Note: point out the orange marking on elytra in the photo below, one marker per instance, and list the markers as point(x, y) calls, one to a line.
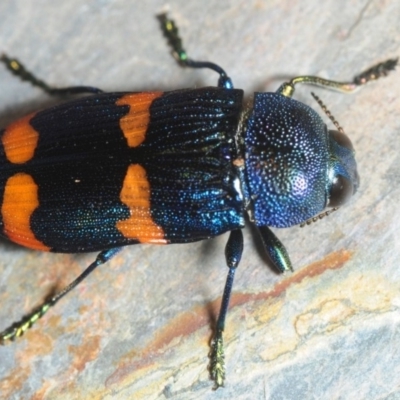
point(134, 124)
point(135, 194)
point(20, 140)
point(19, 202)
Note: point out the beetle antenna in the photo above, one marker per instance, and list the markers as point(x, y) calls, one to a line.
point(377, 71)
point(327, 112)
point(318, 217)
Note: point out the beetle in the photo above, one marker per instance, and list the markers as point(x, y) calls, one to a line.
point(113, 169)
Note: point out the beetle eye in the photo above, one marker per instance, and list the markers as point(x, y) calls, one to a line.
point(341, 139)
point(340, 191)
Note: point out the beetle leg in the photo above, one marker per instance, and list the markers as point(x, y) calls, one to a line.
point(233, 254)
point(170, 31)
point(19, 328)
point(19, 70)
point(275, 249)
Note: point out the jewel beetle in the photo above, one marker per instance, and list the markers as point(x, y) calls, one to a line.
point(113, 169)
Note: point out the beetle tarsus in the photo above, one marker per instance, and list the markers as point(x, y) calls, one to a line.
point(217, 363)
point(19, 328)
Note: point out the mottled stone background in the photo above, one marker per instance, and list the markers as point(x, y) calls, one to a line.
point(139, 327)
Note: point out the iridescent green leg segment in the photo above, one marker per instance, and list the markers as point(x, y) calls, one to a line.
point(19, 328)
point(275, 250)
point(233, 254)
point(376, 72)
point(16, 68)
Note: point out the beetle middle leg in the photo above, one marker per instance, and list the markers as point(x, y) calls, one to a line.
point(170, 31)
point(19, 70)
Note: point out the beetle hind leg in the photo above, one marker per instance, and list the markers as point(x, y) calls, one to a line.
point(16, 68)
point(19, 328)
